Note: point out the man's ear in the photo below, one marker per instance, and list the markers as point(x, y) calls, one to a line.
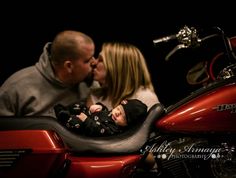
point(68, 66)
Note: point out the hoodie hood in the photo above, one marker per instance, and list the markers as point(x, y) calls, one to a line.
point(44, 66)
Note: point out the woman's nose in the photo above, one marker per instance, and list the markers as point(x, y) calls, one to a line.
point(93, 62)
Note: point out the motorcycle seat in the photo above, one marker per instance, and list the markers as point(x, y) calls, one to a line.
point(128, 142)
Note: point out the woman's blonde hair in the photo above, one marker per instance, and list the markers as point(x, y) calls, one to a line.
point(126, 71)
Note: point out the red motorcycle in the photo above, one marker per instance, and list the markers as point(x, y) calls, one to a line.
point(192, 138)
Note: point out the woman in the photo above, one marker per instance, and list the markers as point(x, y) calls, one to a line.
point(121, 72)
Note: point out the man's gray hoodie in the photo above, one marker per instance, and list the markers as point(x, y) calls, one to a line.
point(35, 91)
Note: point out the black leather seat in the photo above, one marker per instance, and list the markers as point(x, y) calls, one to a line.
point(128, 142)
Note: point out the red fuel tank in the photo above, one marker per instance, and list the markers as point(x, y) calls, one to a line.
point(211, 111)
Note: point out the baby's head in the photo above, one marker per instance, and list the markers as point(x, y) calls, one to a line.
point(131, 111)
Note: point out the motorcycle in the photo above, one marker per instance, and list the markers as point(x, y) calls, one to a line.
point(203, 122)
point(193, 138)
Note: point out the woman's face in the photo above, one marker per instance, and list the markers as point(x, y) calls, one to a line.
point(99, 71)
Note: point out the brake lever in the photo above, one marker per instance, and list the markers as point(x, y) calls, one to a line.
point(187, 38)
point(176, 48)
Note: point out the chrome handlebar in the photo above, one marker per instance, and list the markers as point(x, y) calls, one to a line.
point(187, 37)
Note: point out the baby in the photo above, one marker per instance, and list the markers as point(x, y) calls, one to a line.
point(98, 120)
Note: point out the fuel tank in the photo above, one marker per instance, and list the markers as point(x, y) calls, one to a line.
point(211, 109)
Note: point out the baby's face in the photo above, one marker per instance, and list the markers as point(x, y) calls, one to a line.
point(118, 115)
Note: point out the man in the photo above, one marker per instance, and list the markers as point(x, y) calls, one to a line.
point(56, 78)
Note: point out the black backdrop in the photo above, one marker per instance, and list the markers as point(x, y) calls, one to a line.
point(25, 28)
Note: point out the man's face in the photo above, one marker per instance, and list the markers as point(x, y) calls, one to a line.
point(82, 67)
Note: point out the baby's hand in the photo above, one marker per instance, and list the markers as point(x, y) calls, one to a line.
point(95, 108)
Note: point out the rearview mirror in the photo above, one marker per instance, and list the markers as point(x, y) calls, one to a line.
point(198, 74)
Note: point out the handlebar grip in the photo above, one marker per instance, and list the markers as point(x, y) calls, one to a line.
point(164, 39)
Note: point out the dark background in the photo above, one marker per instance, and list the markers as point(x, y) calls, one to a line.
point(26, 27)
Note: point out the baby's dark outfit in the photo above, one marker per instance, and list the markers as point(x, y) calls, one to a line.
point(100, 123)
point(97, 124)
